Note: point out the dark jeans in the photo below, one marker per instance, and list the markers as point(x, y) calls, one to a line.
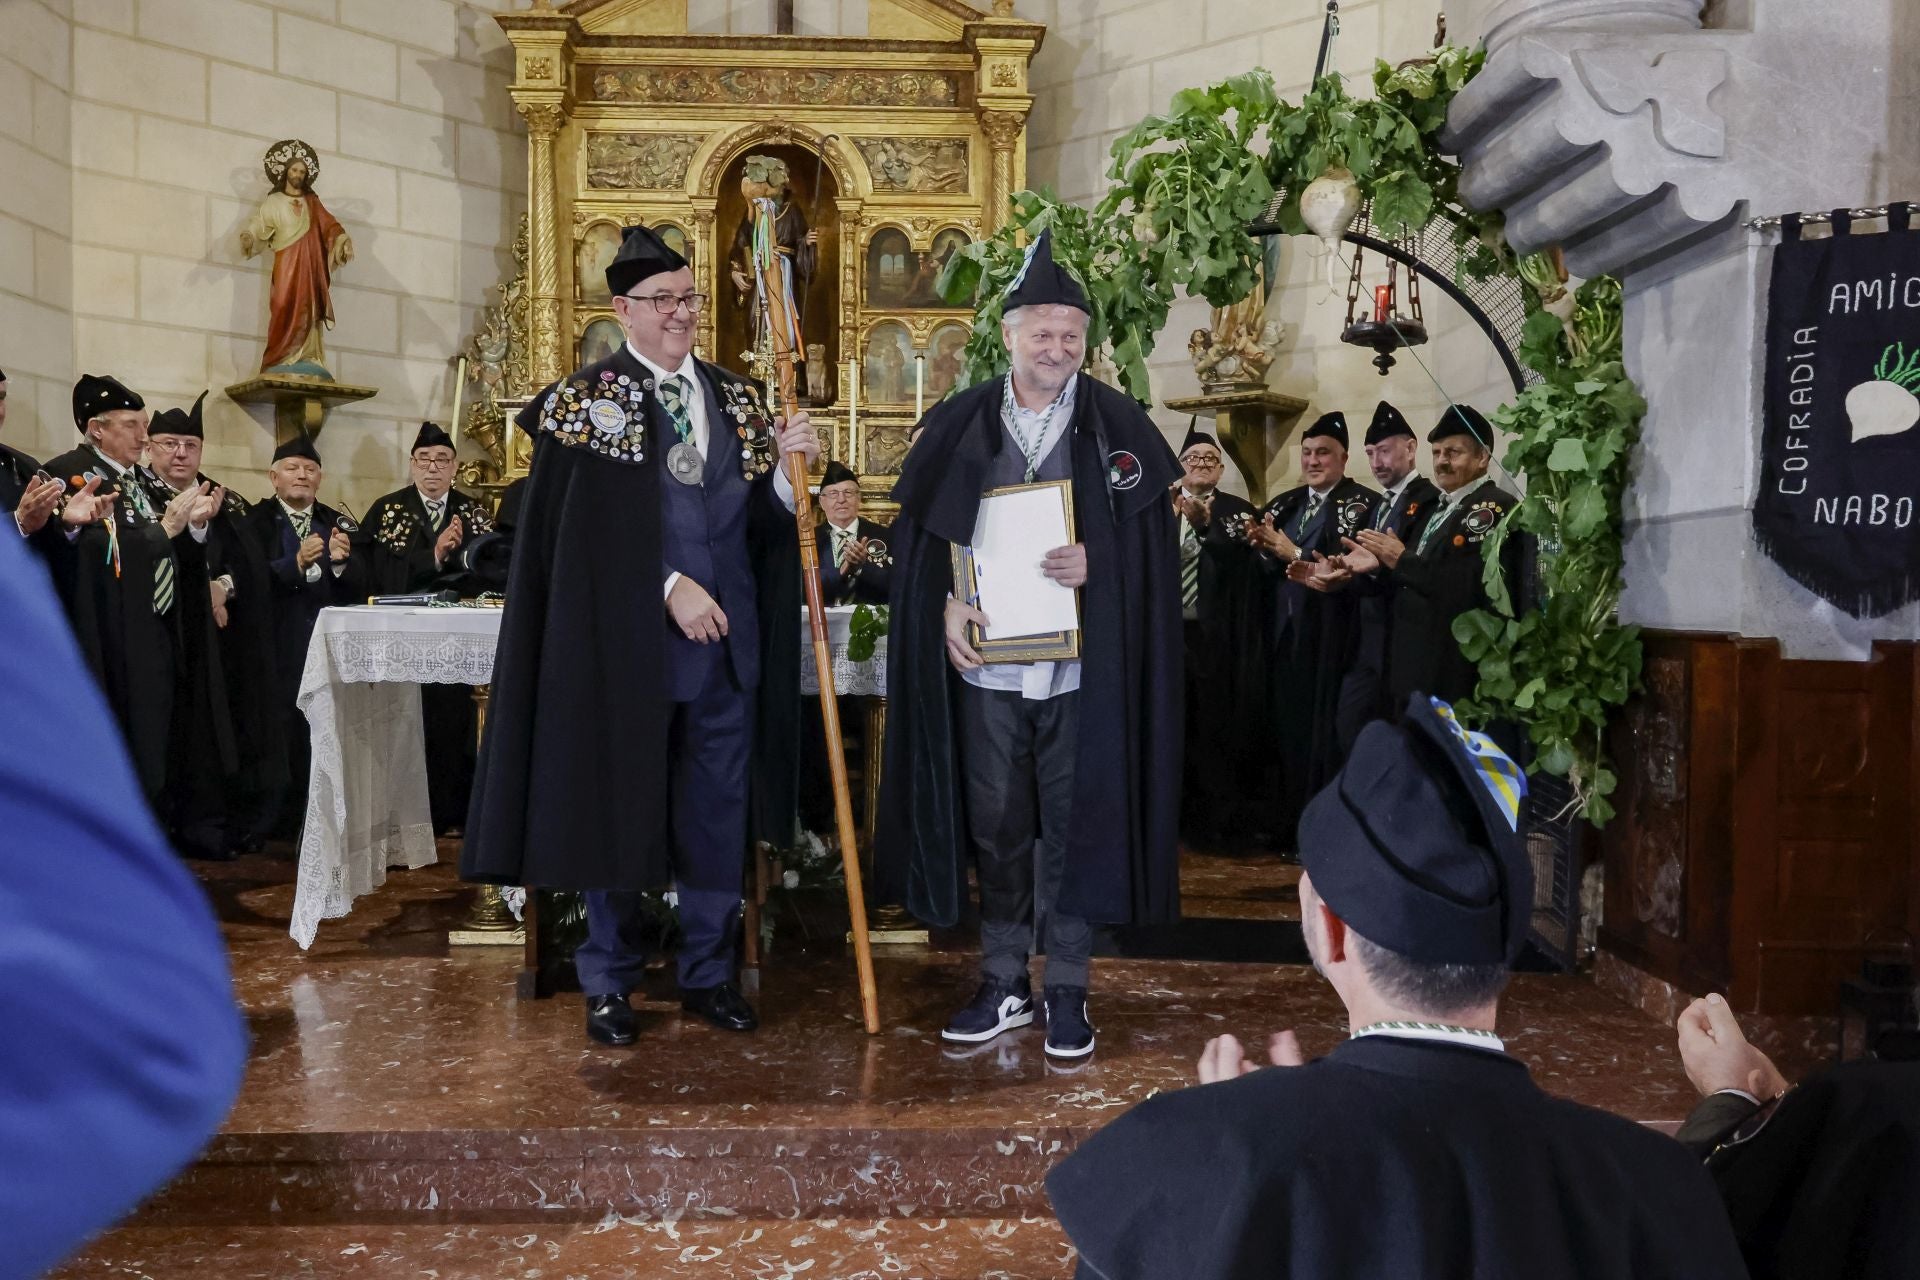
point(708, 744)
point(1017, 761)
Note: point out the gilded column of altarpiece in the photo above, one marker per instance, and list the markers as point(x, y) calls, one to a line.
point(899, 147)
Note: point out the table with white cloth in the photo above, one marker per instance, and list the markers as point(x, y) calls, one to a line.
point(367, 805)
point(367, 792)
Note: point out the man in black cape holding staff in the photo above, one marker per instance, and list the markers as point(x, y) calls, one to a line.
point(1061, 779)
point(648, 645)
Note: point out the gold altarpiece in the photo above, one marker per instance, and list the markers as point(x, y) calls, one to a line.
point(900, 146)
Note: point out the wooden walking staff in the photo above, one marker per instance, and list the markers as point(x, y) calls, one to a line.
point(780, 330)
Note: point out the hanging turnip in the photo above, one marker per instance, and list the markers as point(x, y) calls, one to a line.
point(1887, 406)
point(1328, 206)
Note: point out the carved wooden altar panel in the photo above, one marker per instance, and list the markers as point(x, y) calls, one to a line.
point(900, 146)
point(1765, 819)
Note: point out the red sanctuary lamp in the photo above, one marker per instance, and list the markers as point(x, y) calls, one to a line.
point(1385, 331)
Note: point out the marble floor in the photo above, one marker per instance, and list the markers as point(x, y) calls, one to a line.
point(404, 1114)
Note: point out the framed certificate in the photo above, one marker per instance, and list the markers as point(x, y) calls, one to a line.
point(1031, 618)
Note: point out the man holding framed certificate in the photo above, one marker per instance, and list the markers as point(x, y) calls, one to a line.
point(1034, 668)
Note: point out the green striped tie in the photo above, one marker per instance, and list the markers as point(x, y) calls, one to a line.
point(673, 393)
point(1189, 566)
point(163, 584)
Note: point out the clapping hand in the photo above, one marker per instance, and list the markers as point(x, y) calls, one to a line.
point(311, 548)
point(1718, 1056)
point(853, 556)
point(1263, 534)
point(87, 504)
point(207, 506)
point(41, 496)
point(339, 546)
point(1196, 511)
point(1224, 1059)
point(449, 538)
point(1386, 548)
point(1319, 573)
point(179, 512)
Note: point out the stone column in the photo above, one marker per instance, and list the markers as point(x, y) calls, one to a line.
point(1640, 142)
point(1003, 135)
point(543, 122)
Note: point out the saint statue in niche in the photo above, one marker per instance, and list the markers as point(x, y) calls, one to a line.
point(308, 245)
point(773, 237)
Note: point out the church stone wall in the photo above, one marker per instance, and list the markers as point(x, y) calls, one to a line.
point(1107, 63)
point(157, 163)
point(36, 225)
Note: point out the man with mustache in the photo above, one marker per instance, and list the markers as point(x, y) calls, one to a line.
point(1060, 778)
point(1310, 634)
point(1405, 497)
point(1437, 576)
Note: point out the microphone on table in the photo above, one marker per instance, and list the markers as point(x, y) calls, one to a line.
point(444, 596)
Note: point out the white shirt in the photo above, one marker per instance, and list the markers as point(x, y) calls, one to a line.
point(1035, 681)
point(696, 403)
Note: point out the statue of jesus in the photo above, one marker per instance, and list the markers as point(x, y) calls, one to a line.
point(308, 245)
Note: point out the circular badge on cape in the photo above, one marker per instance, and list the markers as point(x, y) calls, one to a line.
point(1479, 521)
point(1123, 470)
point(608, 418)
point(1352, 514)
point(684, 463)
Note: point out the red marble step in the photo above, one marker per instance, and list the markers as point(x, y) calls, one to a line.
point(580, 1174)
point(611, 1248)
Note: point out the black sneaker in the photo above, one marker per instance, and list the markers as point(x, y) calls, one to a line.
point(1069, 1033)
point(999, 1005)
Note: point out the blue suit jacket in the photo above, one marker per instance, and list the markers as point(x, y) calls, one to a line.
point(120, 1046)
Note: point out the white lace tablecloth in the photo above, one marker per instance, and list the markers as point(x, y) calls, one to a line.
point(863, 679)
point(367, 805)
point(367, 792)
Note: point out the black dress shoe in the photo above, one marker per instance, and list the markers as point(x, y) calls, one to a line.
point(723, 1006)
point(610, 1020)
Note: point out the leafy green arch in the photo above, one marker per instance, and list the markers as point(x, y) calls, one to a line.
point(1185, 187)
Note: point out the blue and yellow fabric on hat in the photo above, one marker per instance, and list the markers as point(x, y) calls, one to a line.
point(1416, 842)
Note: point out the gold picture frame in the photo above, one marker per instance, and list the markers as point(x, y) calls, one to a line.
point(1056, 646)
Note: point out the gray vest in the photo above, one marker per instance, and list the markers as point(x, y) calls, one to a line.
point(703, 535)
point(1010, 465)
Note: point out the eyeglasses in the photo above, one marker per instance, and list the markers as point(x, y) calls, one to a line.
point(431, 461)
point(1204, 460)
point(668, 303)
point(165, 445)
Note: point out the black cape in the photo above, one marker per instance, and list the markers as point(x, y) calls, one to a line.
point(399, 540)
point(133, 651)
point(1387, 1158)
point(570, 791)
point(1122, 859)
point(1311, 640)
point(1432, 588)
point(1226, 681)
point(1827, 1188)
point(1363, 693)
point(245, 648)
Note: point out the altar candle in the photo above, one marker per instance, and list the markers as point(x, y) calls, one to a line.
point(919, 387)
point(1382, 302)
point(853, 398)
